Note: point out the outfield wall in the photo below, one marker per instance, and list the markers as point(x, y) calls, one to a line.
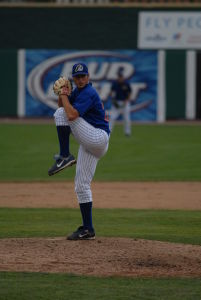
point(176, 95)
point(106, 28)
point(8, 82)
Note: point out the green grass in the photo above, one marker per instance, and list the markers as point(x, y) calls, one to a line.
point(163, 225)
point(156, 153)
point(32, 286)
point(152, 153)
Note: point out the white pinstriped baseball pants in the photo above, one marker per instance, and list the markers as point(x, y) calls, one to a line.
point(93, 145)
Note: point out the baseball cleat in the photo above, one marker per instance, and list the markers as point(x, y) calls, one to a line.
point(82, 234)
point(61, 163)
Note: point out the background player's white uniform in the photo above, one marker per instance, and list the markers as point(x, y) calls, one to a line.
point(120, 93)
point(124, 110)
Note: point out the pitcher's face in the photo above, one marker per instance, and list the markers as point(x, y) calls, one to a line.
point(81, 81)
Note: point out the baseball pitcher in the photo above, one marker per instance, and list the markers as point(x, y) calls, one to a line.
point(81, 113)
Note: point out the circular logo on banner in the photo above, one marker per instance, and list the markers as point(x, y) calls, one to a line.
point(103, 67)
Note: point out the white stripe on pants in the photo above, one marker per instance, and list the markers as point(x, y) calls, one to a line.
point(93, 145)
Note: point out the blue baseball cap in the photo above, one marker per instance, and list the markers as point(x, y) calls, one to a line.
point(79, 69)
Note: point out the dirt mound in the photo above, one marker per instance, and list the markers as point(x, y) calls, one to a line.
point(102, 257)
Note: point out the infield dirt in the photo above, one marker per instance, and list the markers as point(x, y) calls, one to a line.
point(139, 195)
point(108, 256)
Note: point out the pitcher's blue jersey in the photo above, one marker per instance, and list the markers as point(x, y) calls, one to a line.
point(88, 103)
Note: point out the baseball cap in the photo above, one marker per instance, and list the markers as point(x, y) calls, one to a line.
point(79, 69)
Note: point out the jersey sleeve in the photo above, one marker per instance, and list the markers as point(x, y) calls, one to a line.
point(72, 97)
point(83, 103)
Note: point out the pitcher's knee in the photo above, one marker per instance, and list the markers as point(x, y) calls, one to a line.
point(83, 192)
point(80, 187)
point(60, 117)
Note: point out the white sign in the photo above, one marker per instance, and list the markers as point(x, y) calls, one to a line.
point(169, 30)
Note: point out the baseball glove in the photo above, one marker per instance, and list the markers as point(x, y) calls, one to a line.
point(62, 86)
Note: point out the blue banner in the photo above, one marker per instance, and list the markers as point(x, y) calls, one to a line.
point(140, 68)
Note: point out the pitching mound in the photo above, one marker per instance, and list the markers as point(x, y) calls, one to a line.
point(102, 257)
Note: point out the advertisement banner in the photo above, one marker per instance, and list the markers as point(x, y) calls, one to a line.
point(43, 67)
point(169, 30)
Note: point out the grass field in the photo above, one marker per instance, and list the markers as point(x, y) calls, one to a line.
point(30, 286)
point(153, 153)
point(172, 226)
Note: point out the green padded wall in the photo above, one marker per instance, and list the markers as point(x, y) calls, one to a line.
point(8, 82)
point(175, 84)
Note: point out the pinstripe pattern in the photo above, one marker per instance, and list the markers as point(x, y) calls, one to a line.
point(93, 145)
point(85, 170)
point(60, 117)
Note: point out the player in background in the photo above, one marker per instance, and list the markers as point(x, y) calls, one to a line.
point(81, 113)
point(120, 94)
